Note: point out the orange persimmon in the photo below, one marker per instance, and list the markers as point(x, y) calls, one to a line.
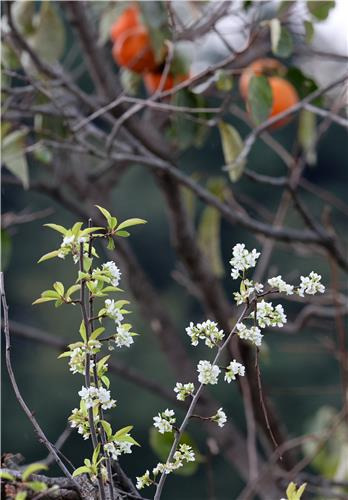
point(152, 81)
point(129, 19)
point(133, 51)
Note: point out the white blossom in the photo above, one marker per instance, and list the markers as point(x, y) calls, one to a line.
point(310, 285)
point(242, 259)
point(164, 421)
point(112, 311)
point(220, 417)
point(143, 480)
point(207, 373)
point(93, 396)
point(253, 334)
point(117, 448)
point(185, 453)
point(184, 390)
point(207, 331)
point(283, 287)
point(267, 315)
point(123, 337)
point(114, 272)
point(233, 369)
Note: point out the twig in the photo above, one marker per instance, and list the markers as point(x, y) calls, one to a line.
point(41, 435)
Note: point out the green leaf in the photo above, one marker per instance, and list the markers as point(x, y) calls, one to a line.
point(57, 227)
point(131, 222)
point(6, 475)
point(309, 31)
point(87, 262)
point(105, 381)
point(123, 431)
point(162, 443)
point(307, 133)
point(260, 98)
point(303, 84)
point(48, 39)
point(82, 331)
point(95, 334)
point(50, 293)
point(81, 470)
point(31, 469)
point(123, 234)
point(232, 145)
point(41, 300)
point(281, 39)
point(59, 288)
point(49, 255)
point(23, 13)
point(107, 428)
point(13, 155)
point(320, 9)
point(111, 244)
point(21, 495)
point(292, 492)
point(209, 239)
point(71, 290)
point(113, 222)
point(76, 228)
point(36, 485)
point(95, 455)
point(105, 212)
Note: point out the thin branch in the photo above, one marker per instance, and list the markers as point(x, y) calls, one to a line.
point(41, 435)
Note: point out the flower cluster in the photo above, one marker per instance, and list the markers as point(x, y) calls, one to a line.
point(71, 244)
point(94, 396)
point(184, 390)
point(253, 334)
point(116, 448)
point(220, 417)
point(242, 260)
point(281, 285)
point(164, 421)
point(247, 288)
point(207, 331)
point(208, 373)
point(109, 273)
point(79, 420)
point(113, 311)
point(123, 336)
point(233, 369)
point(311, 285)
point(184, 454)
point(267, 315)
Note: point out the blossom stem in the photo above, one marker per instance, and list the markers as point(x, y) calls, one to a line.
point(87, 370)
point(96, 380)
point(194, 402)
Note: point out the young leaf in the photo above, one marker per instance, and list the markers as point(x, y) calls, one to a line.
point(131, 222)
point(57, 227)
point(7, 476)
point(123, 234)
point(81, 470)
point(107, 428)
point(50, 293)
point(76, 228)
point(105, 212)
point(71, 290)
point(21, 495)
point(49, 255)
point(111, 244)
point(95, 334)
point(36, 485)
point(96, 454)
point(123, 431)
point(82, 331)
point(232, 145)
point(31, 469)
point(260, 98)
point(59, 288)
point(41, 300)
